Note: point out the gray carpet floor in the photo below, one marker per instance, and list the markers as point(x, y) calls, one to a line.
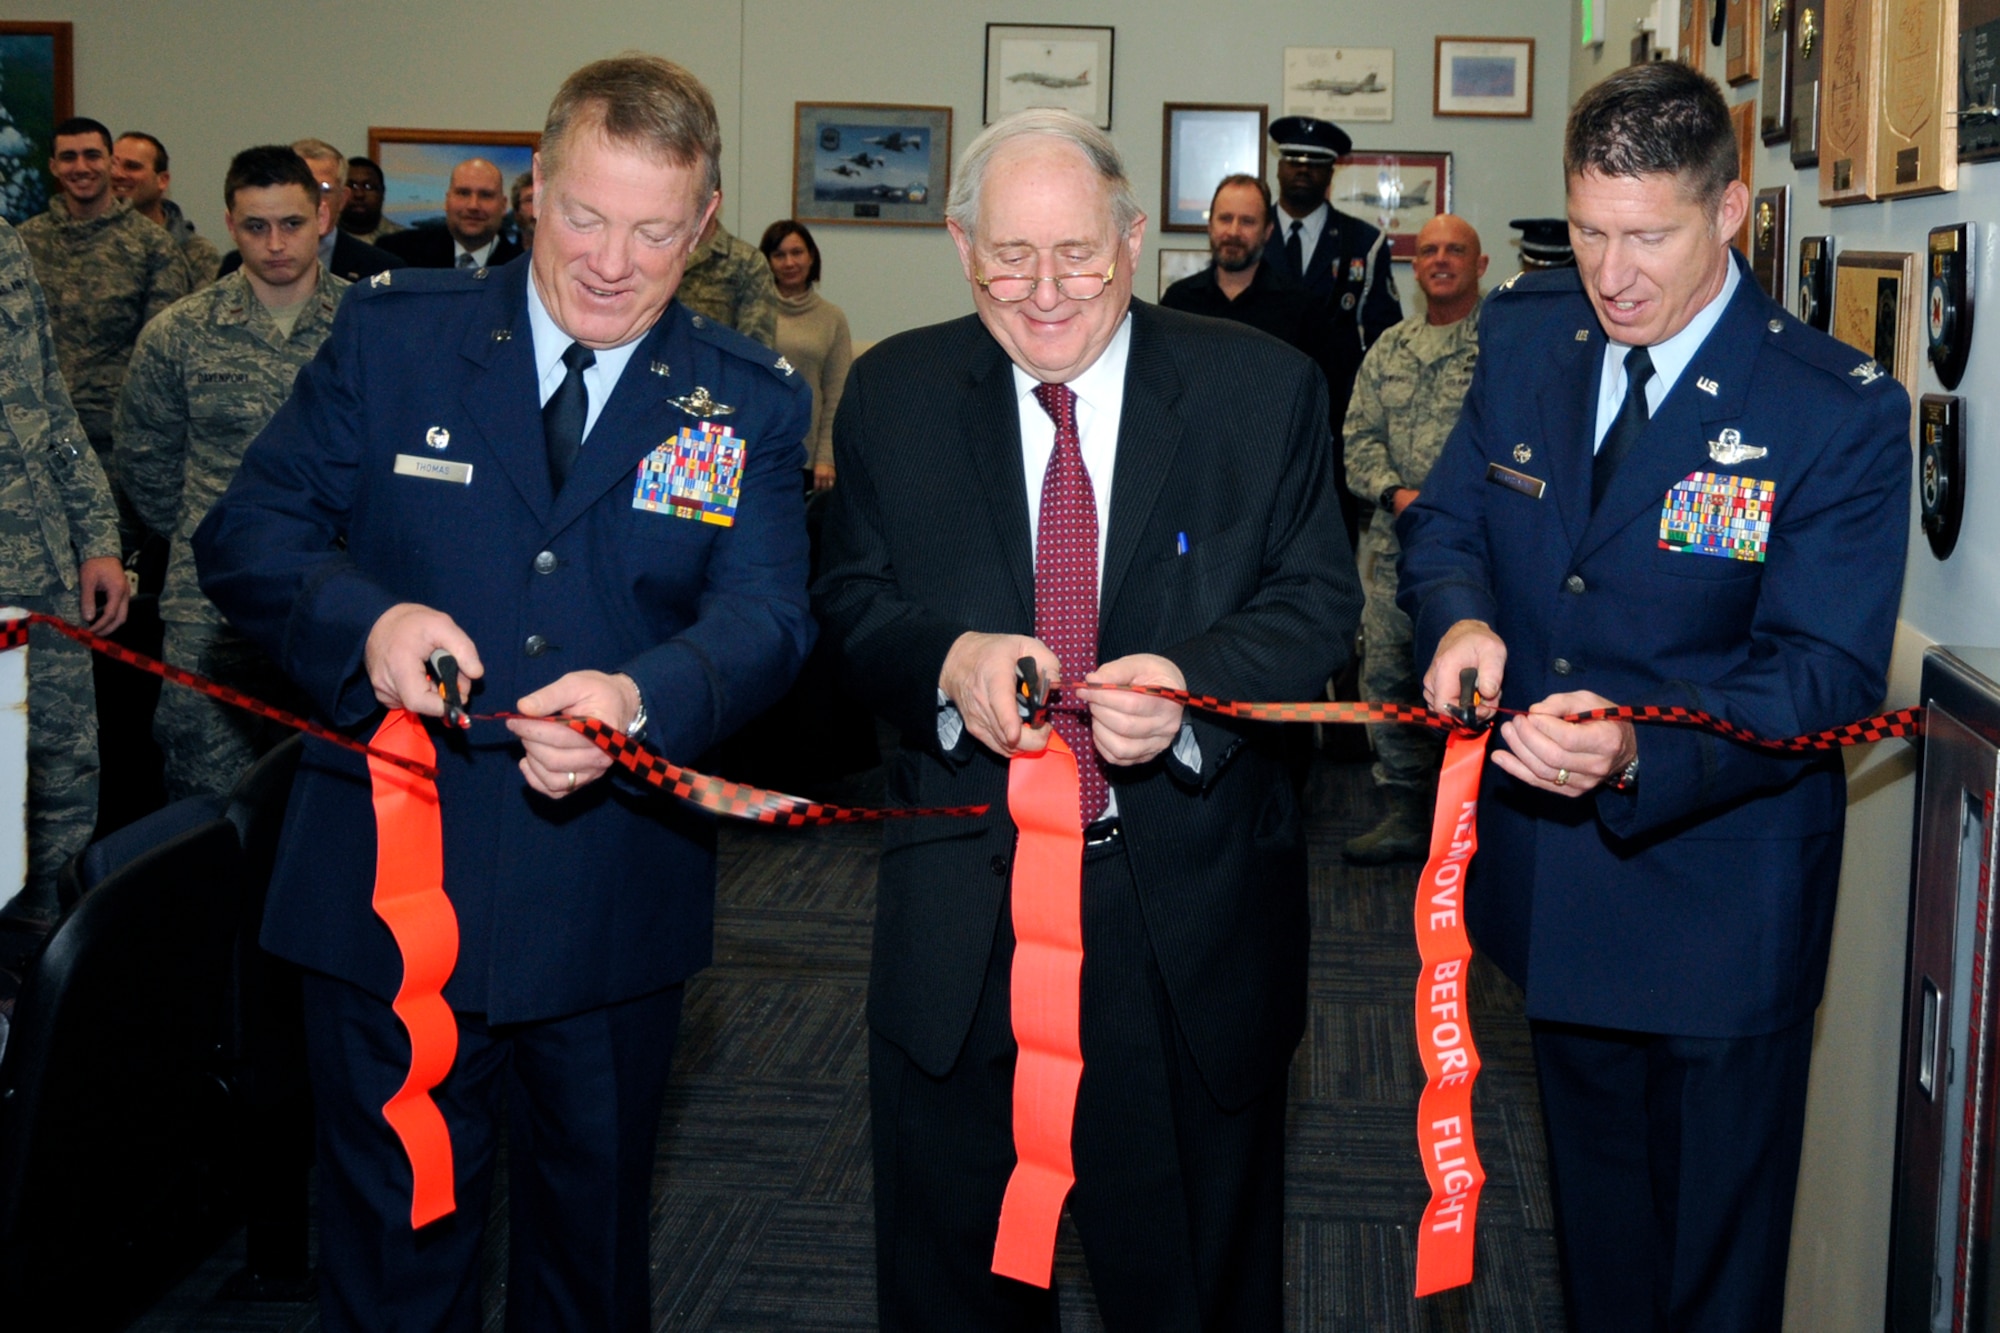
point(762, 1217)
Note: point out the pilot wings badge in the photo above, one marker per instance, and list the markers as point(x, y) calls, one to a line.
point(701, 404)
point(1730, 450)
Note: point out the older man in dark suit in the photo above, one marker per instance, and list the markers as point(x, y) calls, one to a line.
point(1663, 490)
point(1125, 495)
point(466, 466)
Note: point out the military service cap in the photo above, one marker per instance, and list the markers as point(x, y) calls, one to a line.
point(1544, 242)
point(1311, 138)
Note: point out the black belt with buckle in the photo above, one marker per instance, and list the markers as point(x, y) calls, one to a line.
point(1104, 832)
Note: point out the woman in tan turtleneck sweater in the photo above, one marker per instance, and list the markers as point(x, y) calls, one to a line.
point(812, 335)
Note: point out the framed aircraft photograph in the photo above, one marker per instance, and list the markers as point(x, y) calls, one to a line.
point(1485, 76)
point(870, 163)
point(1202, 142)
point(1048, 64)
point(1398, 192)
point(1340, 83)
point(35, 96)
point(417, 165)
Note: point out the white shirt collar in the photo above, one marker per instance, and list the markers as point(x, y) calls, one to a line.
point(551, 342)
point(479, 256)
point(1670, 357)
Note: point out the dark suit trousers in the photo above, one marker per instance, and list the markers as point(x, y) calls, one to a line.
point(1673, 1162)
point(582, 1098)
point(1178, 1202)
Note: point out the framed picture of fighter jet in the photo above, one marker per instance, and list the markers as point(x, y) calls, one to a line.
point(1048, 64)
point(1398, 192)
point(870, 163)
point(1342, 84)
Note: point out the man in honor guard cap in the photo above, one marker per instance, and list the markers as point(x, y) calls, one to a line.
point(464, 466)
point(1663, 490)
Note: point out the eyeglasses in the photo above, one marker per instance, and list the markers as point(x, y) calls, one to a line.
point(1014, 288)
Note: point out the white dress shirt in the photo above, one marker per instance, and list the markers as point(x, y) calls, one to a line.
point(551, 342)
point(1670, 358)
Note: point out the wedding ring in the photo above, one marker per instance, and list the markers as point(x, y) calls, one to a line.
point(572, 779)
point(1562, 778)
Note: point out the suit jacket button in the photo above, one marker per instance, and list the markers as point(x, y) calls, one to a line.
point(536, 645)
point(1560, 666)
point(545, 562)
point(1574, 582)
point(999, 864)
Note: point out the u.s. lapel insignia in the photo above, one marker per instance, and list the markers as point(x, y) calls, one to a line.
point(1868, 371)
point(701, 403)
point(1583, 335)
point(437, 437)
point(1708, 386)
point(1522, 453)
point(503, 335)
point(658, 368)
point(1729, 449)
point(783, 365)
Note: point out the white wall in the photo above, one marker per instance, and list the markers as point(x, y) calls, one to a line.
point(203, 76)
point(1840, 1257)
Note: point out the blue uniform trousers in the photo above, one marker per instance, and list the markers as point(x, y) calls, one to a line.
point(1673, 1162)
point(582, 1097)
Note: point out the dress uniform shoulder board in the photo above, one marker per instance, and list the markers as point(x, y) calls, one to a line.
point(725, 339)
point(1547, 282)
point(434, 281)
point(1859, 371)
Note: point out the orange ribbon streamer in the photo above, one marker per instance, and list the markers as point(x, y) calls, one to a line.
point(1444, 1025)
point(410, 899)
point(1046, 998)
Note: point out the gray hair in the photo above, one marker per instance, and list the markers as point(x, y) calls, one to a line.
point(638, 101)
point(319, 150)
point(962, 207)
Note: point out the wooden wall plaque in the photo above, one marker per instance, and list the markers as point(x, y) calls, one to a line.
point(1692, 45)
point(1875, 309)
point(1743, 119)
point(1918, 142)
point(1808, 57)
point(1850, 114)
point(1979, 80)
point(1775, 118)
point(1743, 26)
point(1770, 232)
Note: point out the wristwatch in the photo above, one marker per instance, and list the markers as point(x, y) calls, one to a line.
point(1629, 779)
point(1386, 501)
point(637, 729)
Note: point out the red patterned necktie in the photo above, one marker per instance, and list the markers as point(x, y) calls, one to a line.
point(1066, 585)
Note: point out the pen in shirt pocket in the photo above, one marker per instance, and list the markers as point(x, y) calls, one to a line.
point(1180, 543)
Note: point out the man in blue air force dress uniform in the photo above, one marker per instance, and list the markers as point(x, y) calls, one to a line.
point(460, 468)
point(1734, 543)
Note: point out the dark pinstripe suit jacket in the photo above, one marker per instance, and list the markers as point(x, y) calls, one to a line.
point(1223, 438)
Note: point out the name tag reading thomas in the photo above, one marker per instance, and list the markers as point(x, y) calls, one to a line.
point(1532, 487)
point(434, 469)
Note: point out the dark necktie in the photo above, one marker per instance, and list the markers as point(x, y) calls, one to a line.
point(565, 412)
point(467, 261)
point(1066, 585)
point(1295, 251)
point(1626, 427)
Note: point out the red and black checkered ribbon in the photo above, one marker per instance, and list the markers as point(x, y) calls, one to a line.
point(738, 800)
point(1883, 726)
point(735, 800)
point(14, 634)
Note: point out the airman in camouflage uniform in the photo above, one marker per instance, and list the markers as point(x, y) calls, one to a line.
point(59, 556)
point(203, 381)
point(1406, 400)
point(728, 280)
point(105, 279)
